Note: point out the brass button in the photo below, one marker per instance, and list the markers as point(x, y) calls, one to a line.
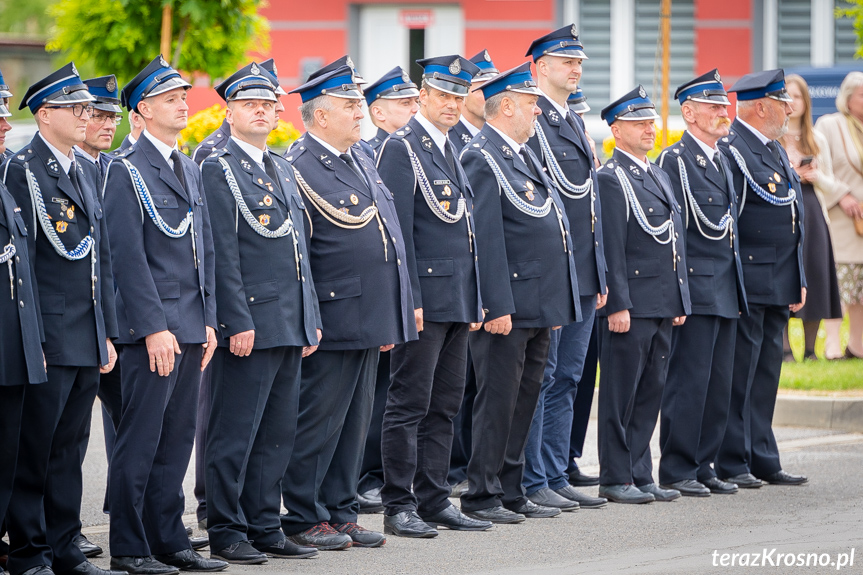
point(332, 294)
point(252, 298)
point(515, 275)
point(430, 270)
point(636, 272)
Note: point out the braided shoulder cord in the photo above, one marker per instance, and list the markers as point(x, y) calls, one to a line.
point(638, 212)
point(726, 223)
point(790, 199)
point(146, 201)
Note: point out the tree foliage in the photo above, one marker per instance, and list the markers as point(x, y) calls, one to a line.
point(122, 36)
point(25, 18)
point(853, 9)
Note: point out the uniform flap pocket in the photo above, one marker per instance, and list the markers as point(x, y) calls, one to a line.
point(700, 266)
point(564, 153)
point(759, 255)
point(645, 268)
point(168, 289)
point(164, 201)
point(653, 207)
point(298, 201)
point(22, 227)
point(330, 290)
point(262, 292)
point(522, 186)
point(710, 198)
point(525, 270)
point(54, 303)
point(764, 178)
point(431, 268)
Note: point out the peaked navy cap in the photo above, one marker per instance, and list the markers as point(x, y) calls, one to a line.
point(104, 89)
point(335, 65)
point(577, 102)
point(156, 78)
point(451, 74)
point(270, 66)
point(766, 84)
point(633, 106)
point(251, 82)
point(562, 42)
point(63, 86)
point(393, 85)
point(706, 88)
point(486, 67)
point(4, 94)
point(338, 83)
point(516, 79)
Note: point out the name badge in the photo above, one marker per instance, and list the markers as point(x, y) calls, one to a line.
point(442, 182)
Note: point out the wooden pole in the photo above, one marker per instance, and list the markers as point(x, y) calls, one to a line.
point(665, 19)
point(165, 45)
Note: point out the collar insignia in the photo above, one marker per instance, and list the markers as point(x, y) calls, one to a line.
point(465, 138)
point(701, 161)
point(506, 150)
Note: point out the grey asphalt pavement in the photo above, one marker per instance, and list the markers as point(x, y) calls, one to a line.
point(688, 536)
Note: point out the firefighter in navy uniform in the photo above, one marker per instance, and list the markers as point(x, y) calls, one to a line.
point(771, 250)
point(648, 293)
point(698, 389)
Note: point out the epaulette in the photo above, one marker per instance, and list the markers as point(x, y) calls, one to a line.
point(123, 153)
point(24, 155)
point(400, 133)
point(295, 152)
point(609, 165)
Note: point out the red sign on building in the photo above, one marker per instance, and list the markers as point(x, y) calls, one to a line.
point(416, 19)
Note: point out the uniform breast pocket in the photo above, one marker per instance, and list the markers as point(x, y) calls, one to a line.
point(701, 285)
point(524, 281)
point(22, 227)
point(713, 204)
point(169, 294)
point(526, 192)
point(263, 301)
point(758, 263)
point(655, 210)
point(340, 307)
point(436, 284)
point(645, 284)
point(773, 182)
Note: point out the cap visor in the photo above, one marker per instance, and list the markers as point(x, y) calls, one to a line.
point(448, 87)
point(108, 107)
point(712, 100)
point(167, 86)
point(527, 90)
point(579, 108)
point(568, 54)
point(639, 114)
point(254, 94)
point(76, 97)
point(4, 111)
point(346, 94)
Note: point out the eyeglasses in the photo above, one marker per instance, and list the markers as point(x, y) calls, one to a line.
point(77, 109)
point(101, 119)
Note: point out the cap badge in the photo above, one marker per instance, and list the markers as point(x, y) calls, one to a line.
point(716, 76)
point(349, 62)
point(573, 30)
point(455, 67)
point(275, 70)
point(641, 92)
point(486, 56)
point(162, 61)
point(74, 69)
point(405, 77)
point(255, 70)
point(111, 84)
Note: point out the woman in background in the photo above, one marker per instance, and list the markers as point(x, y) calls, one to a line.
point(844, 134)
point(809, 154)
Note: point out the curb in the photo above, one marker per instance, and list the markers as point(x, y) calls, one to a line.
point(839, 413)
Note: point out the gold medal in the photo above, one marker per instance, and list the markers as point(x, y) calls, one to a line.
point(354, 199)
point(260, 181)
point(264, 219)
point(344, 210)
point(529, 194)
point(772, 187)
point(445, 205)
point(70, 213)
point(776, 177)
point(268, 201)
point(529, 185)
point(447, 191)
point(61, 227)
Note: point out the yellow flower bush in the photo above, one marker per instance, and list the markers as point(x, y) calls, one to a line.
point(673, 137)
point(209, 119)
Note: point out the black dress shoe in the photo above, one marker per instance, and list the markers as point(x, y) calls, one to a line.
point(784, 478)
point(287, 549)
point(688, 488)
point(744, 481)
point(188, 531)
point(199, 542)
point(240, 553)
point(496, 514)
point(452, 518)
point(360, 536)
point(86, 547)
point(142, 566)
point(625, 493)
point(191, 560)
point(322, 536)
point(585, 501)
point(548, 498)
point(408, 524)
point(533, 511)
point(579, 479)
point(659, 494)
point(716, 485)
point(38, 570)
point(370, 501)
point(87, 568)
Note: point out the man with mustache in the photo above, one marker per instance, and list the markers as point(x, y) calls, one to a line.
point(698, 389)
point(68, 243)
point(771, 250)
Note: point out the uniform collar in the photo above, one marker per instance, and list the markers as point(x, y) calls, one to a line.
point(761, 137)
point(562, 110)
point(471, 129)
point(438, 137)
point(82, 152)
point(513, 144)
point(254, 152)
point(132, 139)
point(708, 151)
point(64, 160)
point(326, 146)
point(164, 150)
point(639, 163)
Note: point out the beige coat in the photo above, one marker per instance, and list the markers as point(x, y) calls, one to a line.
point(847, 245)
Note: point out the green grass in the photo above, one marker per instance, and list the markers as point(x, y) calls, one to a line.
point(820, 375)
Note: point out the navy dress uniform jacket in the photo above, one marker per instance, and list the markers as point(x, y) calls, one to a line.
point(76, 320)
point(215, 141)
point(713, 266)
point(572, 153)
point(641, 273)
point(21, 318)
point(158, 288)
point(441, 257)
point(526, 263)
point(459, 136)
point(377, 140)
point(361, 275)
point(254, 292)
point(772, 250)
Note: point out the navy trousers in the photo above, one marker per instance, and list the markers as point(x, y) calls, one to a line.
point(154, 445)
point(372, 470)
point(424, 397)
point(696, 397)
point(250, 437)
point(11, 408)
point(509, 372)
point(110, 395)
point(749, 445)
point(462, 425)
point(201, 426)
point(547, 452)
point(44, 514)
point(336, 393)
point(633, 367)
point(584, 398)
